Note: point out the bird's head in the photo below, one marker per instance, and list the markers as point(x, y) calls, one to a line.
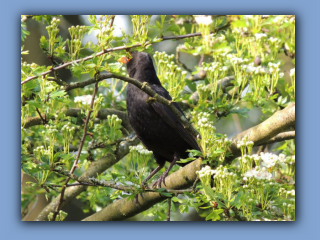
point(140, 66)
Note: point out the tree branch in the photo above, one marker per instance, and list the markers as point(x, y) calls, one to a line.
point(280, 137)
point(75, 112)
point(124, 208)
point(266, 130)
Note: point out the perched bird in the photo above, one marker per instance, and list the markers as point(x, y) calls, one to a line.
point(156, 125)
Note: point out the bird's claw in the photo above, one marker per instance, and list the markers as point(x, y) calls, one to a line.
point(162, 179)
point(144, 185)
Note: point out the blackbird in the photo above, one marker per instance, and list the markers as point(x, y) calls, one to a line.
point(155, 124)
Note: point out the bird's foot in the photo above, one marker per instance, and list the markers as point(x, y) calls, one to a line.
point(144, 185)
point(161, 180)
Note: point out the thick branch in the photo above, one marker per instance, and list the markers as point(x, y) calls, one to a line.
point(124, 208)
point(260, 134)
point(281, 137)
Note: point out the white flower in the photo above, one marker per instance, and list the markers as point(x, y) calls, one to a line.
point(292, 72)
point(260, 35)
point(140, 149)
point(272, 39)
point(86, 99)
point(180, 21)
point(203, 19)
point(269, 159)
point(292, 192)
point(258, 174)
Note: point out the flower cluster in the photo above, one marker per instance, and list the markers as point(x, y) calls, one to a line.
point(169, 73)
point(85, 100)
point(236, 60)
point(204, 122)
point(260, 35)
point(203, 19)
point(225, 183)
point(224, 140)
point(269, 160)
point(42, 151)
point(67, 131)
point(258, 173)
point(54, 24)
point(53, 31)
point(140, 149)
point(68, 128)
point(205, 172)
point(51, 129)
point(274, 40)
point(244, 143)
point(74, 44)
point(114, 118)
point(292, 72)
point(203, 91)
point(246, 162)
point(222, 172)
point(274, 67)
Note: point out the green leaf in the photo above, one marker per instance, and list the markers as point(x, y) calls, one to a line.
point(214, 215)
point(44, 44)
point(57, 93)
point(24, 32)
point(194, 153)
point(175, 199)
point(241, 111)
point(186, 160)
point(173, 28)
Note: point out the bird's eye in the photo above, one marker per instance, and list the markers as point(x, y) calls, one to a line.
point(132, 72)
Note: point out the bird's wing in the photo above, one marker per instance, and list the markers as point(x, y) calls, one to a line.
point(171, 118)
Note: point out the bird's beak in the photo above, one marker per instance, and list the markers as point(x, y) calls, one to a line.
point(124, 60)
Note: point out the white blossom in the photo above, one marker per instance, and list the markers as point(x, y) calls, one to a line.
point(140, 149)
point(292, 72)
point(258, 174)
point(269, 160)
point(203, 19)
point(260, 35)
point(86, 99)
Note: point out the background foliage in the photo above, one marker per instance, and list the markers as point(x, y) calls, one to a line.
point(228, 73)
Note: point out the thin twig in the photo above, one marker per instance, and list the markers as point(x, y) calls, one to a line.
point(169, 209)
point(181, 64)
point(44, 121)
point(112, 20)
point(102, 183)
point(75, 163)
point(201, 60)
